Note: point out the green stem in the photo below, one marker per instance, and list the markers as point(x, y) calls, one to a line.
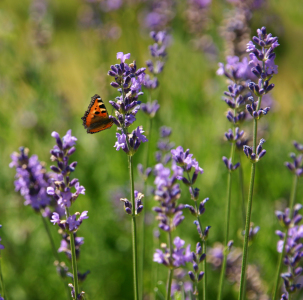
point(204, 279)
point(169, 281)
point(241, 183)
point(247, 227)
point(55, 252)
point(171, 270)
point(248, 212)
point(225, 250)
point(148, 144)
point(227, 221)
point(155, 268)
point(134, 230)
point(143, 227)
point(73, 257)
point(291, 206)
point(1, 279)
point(74, 264)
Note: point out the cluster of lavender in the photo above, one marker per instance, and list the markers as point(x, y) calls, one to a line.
point(262, 57)
point(292, 245)
point(164, 146)
point(32, 181)
point(260, 152)
point(41, 23)
point(155, 67)
point(173, 258)
point(128, 82)
point(167, 192)
point(160, 14)
point(181, 286)
point(186, 165)
point(255, 287)
point(296, 167)
point(138, 204)
point(197, 15)
point(238, 73)
point(197, 258)
point(198, 20)
point(235, 29)
point(94, 15)
point(61, 190)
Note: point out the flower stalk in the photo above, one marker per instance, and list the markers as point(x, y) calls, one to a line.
point(262, 62)
point(134, 230)
point(297, 169)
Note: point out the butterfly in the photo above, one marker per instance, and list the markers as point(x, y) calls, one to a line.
point(96, 117)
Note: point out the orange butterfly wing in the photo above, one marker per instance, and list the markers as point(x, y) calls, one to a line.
point(96, 117)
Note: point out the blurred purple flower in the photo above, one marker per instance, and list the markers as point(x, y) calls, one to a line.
point(150, 108)
point(31, 179)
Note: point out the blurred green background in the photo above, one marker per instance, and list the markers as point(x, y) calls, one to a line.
point(51, 65)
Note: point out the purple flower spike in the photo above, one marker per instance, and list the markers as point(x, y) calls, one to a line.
point(32, 179)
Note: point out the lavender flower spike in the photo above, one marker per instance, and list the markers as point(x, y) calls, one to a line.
point(32, 179)
point(61, 190)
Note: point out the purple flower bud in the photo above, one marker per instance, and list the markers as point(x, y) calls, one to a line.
point(194, 177)
point(128, 210)
point(140, 71)
point(191, 209)
point(112, 73)
point(55, 169)
point(200, 276)
point(195, 267)
point(226, 162)
point(298, 271)
point(201, 209)
point(297, 219)
point(114, 84)
point(236, 166)
point(58, 140)
point(280, 234)
point(202, 257)
point(206, 230)
point(230, 244)
point(194, 257)
point(139, 209)
point(262, 153)
point(192, 276)
point(72, 166)
point(290, 166)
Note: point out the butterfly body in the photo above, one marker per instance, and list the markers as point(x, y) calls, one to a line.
point(96, 117)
